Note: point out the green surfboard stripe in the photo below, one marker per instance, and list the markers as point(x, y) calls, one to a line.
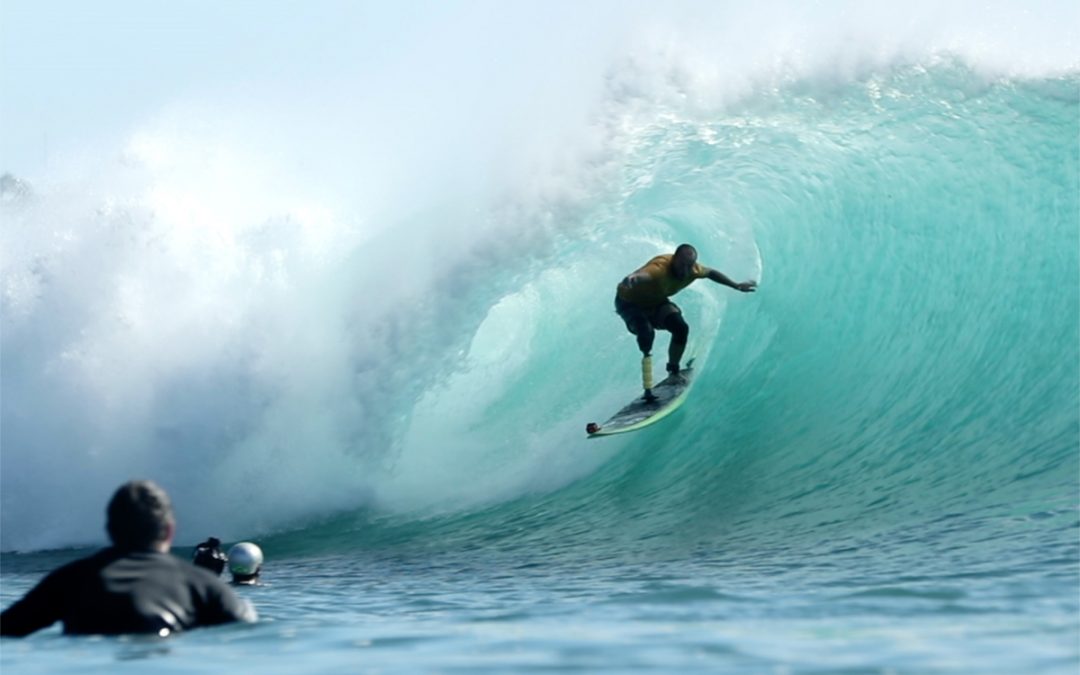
point(675, 404)
point(670, 407)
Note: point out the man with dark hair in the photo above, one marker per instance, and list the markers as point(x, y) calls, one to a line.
point(135, 586)
point(642, 301)
point(140, 517)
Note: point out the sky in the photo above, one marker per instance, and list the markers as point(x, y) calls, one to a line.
point(74, 71)
point(81, 77)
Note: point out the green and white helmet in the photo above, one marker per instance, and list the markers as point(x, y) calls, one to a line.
point(245, 559)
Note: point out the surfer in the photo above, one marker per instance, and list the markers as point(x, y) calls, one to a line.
point(134, 586)
point(209, 555)
point(642, 301)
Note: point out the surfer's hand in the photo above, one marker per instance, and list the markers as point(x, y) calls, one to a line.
point(746, 286)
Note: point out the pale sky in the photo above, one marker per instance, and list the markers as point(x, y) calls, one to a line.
point(76, 70)
point(76, 74)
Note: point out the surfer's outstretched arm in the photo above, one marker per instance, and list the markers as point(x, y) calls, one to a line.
point(721, 278)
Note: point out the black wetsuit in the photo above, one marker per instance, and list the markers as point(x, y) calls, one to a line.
point(114, 592)
point(209, 555)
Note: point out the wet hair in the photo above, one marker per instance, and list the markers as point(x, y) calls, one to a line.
point(685, 249)
point(140, 515)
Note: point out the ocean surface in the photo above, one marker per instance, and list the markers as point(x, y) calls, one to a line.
point(878, 468)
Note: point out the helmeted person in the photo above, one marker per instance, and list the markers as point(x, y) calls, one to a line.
point(642, 300)
point(134, 586)
point(245, 563)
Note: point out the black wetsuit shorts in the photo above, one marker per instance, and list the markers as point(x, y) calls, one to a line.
point(634, 316)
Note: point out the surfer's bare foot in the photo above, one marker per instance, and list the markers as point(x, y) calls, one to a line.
point(649, 397)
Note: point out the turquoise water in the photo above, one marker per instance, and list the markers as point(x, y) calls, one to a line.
point(877, 470)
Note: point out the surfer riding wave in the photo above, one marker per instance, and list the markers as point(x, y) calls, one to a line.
point(643, 302)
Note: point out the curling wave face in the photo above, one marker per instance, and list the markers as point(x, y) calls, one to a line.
point(908, 370)
point(910, 360)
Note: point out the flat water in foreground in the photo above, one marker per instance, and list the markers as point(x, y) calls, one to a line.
point(916, 607)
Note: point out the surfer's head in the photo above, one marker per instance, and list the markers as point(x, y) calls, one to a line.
point(245, 563)
point(682, 263)
point(140, 517)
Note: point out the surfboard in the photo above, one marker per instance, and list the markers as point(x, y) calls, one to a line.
point(670, 394)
